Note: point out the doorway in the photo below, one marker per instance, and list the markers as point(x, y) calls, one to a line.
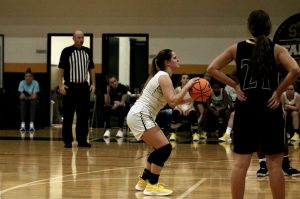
point(126, 57)
point(55, 44)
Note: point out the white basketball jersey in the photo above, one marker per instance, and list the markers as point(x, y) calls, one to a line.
point(288, 101)
point(152, 98)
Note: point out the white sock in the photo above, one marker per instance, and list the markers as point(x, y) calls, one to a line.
point(262, 159)
point(228, 130)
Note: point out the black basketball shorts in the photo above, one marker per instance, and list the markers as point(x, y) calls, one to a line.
point(258, 131)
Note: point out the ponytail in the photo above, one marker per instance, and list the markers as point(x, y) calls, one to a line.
point(155, 67)
point(158, 62)
point(259, 26)
point(262, 57)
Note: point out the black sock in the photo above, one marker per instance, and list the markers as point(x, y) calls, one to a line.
point(146, 174)
point(154, 178)
point(286, 162)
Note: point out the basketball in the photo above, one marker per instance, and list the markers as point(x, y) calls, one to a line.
point(201, 90)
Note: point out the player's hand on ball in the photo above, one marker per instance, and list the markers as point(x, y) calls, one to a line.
point(200, 90)
point(192, 81)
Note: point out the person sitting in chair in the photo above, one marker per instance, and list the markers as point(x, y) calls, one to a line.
point(114, 104)
point(28, 93)
point(217, 109)
point(185, 110)
point(290, 101)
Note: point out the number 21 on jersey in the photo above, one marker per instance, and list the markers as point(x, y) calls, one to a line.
point(249, 81)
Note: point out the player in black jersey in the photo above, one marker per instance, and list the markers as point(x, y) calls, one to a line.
point(258, 121)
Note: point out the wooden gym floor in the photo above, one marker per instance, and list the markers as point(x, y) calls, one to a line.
point(43, 168)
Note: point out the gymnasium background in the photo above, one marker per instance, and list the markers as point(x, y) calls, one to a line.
point(196, 30)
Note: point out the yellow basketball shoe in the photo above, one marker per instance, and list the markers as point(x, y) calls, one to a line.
point(225, 138)
point(141, 184)
point(157, 189)
point(295, 137)
point(196, 137)
point(172, 137)
point(203, 135)
point(295, 145)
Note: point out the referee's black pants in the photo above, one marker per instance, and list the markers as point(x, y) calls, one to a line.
point(77, 99)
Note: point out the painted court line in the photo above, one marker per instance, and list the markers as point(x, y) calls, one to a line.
point(59, 179)
point(192, 188)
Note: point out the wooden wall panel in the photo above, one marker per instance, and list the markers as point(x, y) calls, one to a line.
point(21, 67)
point(42, 68)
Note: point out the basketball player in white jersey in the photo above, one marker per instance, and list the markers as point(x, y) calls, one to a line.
point(290, 100)
point(158, 91)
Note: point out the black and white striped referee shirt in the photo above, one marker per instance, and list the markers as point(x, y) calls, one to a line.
point(76, 64)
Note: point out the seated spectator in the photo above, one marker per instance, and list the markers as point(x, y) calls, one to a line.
point(290, 101)
point(186, 110)
point(227, 135)
point(231, 98)
point(115, 104)
point(28, 93)
point(202, 112)
point(217, 109)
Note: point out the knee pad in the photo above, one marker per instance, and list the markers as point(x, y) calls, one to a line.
point(150, 158)
point(160, 156)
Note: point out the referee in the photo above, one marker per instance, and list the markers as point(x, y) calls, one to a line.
point(75, 63)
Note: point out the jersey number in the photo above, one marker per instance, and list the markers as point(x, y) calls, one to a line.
point(249, 82)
